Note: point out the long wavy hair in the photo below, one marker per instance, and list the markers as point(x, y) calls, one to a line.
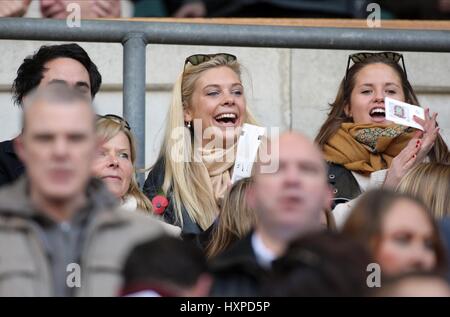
point(337, 114)
point(431, 183)
point(106, 130)
point(236, 219)
point(183, 177)
point(365, 222)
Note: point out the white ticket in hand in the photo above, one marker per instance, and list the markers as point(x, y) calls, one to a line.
point(403, 113)
point(247, 149)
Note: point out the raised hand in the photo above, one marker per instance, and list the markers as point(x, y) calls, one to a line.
point(416, 150)
point(402, 163)
point(429, 135)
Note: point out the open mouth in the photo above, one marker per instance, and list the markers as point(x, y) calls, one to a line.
point(378, 114)
point(226, 119)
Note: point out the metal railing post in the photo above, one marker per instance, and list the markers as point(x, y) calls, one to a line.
point(134, 93)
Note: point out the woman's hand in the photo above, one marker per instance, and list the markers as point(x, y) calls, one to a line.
point(428, 135)
point(416, 150)
point(402, 163)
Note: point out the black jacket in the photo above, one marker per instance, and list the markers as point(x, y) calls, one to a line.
point(236, 271)
point(10, 165)
point(153, 187)
point(345, 186)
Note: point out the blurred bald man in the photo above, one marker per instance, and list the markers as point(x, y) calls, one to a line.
point(288, 203)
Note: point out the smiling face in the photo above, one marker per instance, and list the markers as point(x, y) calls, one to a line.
point(406, 242)
point(217, 100)
point(373, 83)
point(113, 164)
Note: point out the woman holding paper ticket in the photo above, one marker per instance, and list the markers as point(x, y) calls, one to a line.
point(362, 148)
point(194, 167)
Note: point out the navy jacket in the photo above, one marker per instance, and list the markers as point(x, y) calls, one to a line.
point(237, 272)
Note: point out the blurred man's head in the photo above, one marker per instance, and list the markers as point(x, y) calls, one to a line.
point(66, 63)
point(58, 142)
point(290, 201)
point(166, 266)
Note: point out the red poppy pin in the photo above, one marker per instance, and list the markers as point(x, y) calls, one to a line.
point(160, 204)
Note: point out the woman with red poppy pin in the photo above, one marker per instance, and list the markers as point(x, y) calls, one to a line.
point(193, 170)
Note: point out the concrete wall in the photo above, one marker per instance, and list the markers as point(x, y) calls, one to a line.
point(282, 85)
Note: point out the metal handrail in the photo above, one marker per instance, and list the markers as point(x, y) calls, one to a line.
point(136, 35)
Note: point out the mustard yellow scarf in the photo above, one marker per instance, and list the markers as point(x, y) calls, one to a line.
point(216, 170)
point(366, 148)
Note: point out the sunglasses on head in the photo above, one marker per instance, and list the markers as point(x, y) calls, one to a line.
point(362, 56)
point(198, 59)
point(116, 119)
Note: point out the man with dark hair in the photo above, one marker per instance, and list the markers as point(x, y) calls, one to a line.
point(68, 64)
point(61, 230)
point(166, 266)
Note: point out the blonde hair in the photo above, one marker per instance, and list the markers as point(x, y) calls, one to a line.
point(183, 178)
point(431, 183)
point(108, 128)
point(236, 219)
